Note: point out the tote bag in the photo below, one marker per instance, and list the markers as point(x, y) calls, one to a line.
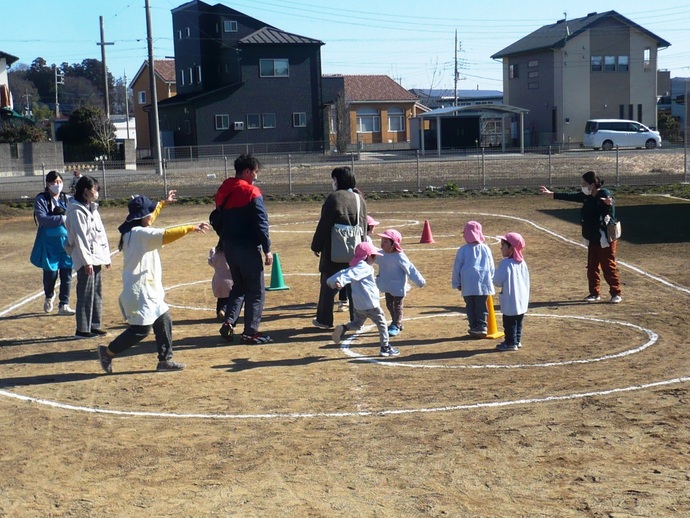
point(345, 238)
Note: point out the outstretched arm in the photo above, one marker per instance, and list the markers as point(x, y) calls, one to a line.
point(174, 233)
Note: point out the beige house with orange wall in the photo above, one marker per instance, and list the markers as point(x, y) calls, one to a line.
point(368, 109)
point(140, 85)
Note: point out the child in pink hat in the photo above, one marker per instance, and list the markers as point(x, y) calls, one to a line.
point(512, 276)
point(394, 270)
point(473, 271)
point(365, 296)
point(343, 304)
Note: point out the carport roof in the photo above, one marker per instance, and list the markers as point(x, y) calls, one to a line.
point(497, 108)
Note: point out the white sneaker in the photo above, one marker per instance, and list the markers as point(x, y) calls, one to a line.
point(343, 306)
point(65, 310)
point(616, 299)
point(48, 304)
point(592, 298)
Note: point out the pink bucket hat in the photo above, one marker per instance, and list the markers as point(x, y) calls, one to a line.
point(371, 222)
point(362, 251)
point(473, 232)
point(517, 242)
point(394, 236)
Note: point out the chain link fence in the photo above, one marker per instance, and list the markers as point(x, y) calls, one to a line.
point(397, 171)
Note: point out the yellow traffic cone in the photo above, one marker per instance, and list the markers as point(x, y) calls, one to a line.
point(277, 282)
point(492, 329)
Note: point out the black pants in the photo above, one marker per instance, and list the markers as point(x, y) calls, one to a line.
point(162, 329)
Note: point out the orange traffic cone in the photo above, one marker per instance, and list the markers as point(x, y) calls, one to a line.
point(492, 329)
point(426, 233)
point(277, 282)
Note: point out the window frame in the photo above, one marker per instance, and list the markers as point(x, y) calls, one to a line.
point(513, 71)
point(625, 65)
point(268, 115)
point(141, 96)
point(299, 119)
point(366, 116)
point(596, 63)
point(273, 67)
point(399, 116)
point(252, 123)
point(224, 119)
point(181, 73)
point(230, 23)
point(609, 63)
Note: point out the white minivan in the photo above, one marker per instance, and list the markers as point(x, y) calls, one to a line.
point(609, 133)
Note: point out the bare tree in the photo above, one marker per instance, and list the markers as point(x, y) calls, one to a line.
point(342, 123)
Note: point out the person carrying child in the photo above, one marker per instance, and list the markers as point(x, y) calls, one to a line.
point(394, 270)
point(365, 296)
point(512, 276)
point(221, 283)
point(473, 271)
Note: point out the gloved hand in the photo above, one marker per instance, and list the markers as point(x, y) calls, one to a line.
point(58, 211)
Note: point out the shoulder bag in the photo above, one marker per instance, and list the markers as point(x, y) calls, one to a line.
point(345, 238)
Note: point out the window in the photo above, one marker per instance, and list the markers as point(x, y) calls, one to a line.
point(187, 32)
point(299, 120)
point(533, 85)
point(198, 74)
point(533, 75)
point(269, 120)
point(141, 96)
point(609, 63)
point(253, 121)
point(368, 120)
point(596, 63)
point(533, 64)
point(229, 26)
point(222, 122)
point(274, 68)
point(179, 35)
point(333, 120)
point(623, 63)
point(181, 74)
point(647, 60)
point(513, 71)
point(190, 71)
point(396, 119)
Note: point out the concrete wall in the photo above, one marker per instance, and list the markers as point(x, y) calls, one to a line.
point(32, 158)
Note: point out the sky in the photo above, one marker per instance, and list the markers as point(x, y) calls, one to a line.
point(411, 41)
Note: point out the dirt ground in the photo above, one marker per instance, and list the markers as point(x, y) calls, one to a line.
point(589, 418)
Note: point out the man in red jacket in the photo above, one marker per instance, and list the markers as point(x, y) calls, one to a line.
point(245, 235)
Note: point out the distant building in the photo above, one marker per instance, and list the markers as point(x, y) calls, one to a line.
point(241, 81)
point(6, 61)
point(164, 70)
point(598, 66)
point(368, 109)
point(442, 98)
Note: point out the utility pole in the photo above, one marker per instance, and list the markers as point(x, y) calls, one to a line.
point(28, 112)
point(126, 104)
point(103, 43)
point(59, 80)
point(154, 127)
point(455, 91)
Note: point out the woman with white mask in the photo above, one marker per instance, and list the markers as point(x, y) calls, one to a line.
point(598, 208)
point(88, 245)
point(48, 252)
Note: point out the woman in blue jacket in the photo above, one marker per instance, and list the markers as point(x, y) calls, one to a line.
point(48, 252)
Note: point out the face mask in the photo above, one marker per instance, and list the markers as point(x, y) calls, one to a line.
point(587, 190)
point(55, 188)
point(335, 185)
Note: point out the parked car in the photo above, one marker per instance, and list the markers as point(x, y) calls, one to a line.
point(608, 133)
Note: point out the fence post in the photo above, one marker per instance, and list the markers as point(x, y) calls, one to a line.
point(550, 169)
point(289, 174)
point(352, 162)
point(225, 166)
point(43, 172)
point(618, 179)
point(419, 180)
point(483, 171)
point(105, 185)
point(165, 179)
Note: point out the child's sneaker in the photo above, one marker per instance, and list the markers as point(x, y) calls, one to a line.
point(256, 339)
point(105, 359)
point(592, 298)
point(65, 310)
point(506, 347)
point(389, 351)
point(393, 330)
point(338, 334)
point(48, 304)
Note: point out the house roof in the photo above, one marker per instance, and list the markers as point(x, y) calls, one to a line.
point(9, 58)
point(556, 35)
point(378, 88)
point(494, 108)
point(438, 93)
point(272, 36)
point(163, 68)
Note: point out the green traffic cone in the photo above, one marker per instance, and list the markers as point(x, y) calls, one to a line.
point(277, 282)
